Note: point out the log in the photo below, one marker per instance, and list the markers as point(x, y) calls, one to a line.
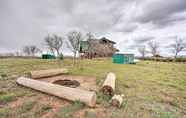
point(109, 84)
point(47, 73)
point(117, 100)
point(72, 94)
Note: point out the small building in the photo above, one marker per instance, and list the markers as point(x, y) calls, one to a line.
point(123, 58)
point(48, 56)
point(97, 48)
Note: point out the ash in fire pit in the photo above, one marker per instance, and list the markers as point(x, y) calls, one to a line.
point(67, 83)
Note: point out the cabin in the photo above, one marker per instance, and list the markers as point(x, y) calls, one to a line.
point(120, 58)
point(97, 48)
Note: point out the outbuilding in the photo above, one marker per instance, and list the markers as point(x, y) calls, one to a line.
point(123, 58)
point(48, 56)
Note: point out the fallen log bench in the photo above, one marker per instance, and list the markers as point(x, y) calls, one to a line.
point(47, 73)
point(109, 84)
point(72, 94)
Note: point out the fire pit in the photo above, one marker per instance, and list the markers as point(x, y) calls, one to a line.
point(74, 81)
point(67, 83)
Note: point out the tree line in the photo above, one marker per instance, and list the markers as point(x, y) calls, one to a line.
point(176, 47)
point(54, 43)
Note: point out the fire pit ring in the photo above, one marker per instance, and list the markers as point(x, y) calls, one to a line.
point(67, 83)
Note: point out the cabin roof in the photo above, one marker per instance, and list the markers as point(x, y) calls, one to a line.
point(107, 40)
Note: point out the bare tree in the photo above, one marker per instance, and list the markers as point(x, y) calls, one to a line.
point(154, 47)
point(142, 50)
point(178, 46)
point(54, 43)
point(89, 36)
point(74, 38)
point(31, 50)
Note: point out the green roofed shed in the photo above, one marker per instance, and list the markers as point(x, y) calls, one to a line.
point(123, 58)
point(48, 56)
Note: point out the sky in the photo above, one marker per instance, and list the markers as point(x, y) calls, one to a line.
point(130, 23)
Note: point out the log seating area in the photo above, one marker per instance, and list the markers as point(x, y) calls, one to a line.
point(72, 94)
point(68, 92)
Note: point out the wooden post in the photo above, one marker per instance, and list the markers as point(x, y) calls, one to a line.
point(72, 94)
point(47, 73)
point(109, 84)
point(117, 100)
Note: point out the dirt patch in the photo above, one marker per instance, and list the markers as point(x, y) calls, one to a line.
point(2, 104)
point(85, 82)
point(99, 112)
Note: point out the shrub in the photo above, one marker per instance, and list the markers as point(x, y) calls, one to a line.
point(61, 57)
point(103, 99)
point(4, 75)
point(27, 106)
point(7, 97)
point(41, 109)
point(46, 107)
point(169, 59)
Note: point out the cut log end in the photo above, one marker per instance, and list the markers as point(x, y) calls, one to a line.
point(93, 101)
point(115, 103)
point(107, 90)
point(117, 100)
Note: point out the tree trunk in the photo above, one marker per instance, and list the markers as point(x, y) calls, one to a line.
point(109, 84)
point(57, 52)
point(176, 55)
point(47, 73)
point(72, 94)
point(74, 58)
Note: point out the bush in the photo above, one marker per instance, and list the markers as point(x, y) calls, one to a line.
point(61, 57)
point(4, 75)
point(27, 106)
point(169, 59)
point(180, 59)
point(7, 97)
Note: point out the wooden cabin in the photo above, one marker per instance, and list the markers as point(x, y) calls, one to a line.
point(97, 48)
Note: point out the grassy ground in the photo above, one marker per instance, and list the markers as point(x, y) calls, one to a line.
point(151, 89)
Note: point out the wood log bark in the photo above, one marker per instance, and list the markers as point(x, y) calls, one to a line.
point(117, 100)
point(109, 84)
point(72, 94)
point(47, 73)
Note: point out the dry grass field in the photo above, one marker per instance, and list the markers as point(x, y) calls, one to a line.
point(151, 89)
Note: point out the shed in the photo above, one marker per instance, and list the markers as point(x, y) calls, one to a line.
point(48, 56)
point(123, 58)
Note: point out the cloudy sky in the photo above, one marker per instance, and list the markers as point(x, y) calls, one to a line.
point(130, 23)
